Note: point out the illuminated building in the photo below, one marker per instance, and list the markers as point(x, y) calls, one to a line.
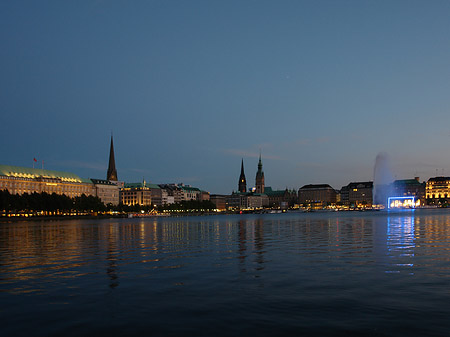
point(247, 200)
point(409, 187)
point(166, 199)
point(146, 194)
point(219, 200)
point(438, 190)
point(357, 194)
point(142, 194)
point(19, 180)
point(320, 194)
point(106, 191)
point(170, 194)
point(402, 202)
point(259, 181)
point(242, 185)
point(190, 193)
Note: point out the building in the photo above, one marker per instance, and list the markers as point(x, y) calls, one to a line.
point(319, 195)
point(106, 191)
point(204, 196)
point(438, 190)
point(219, 200)
point(142, 194)
point(242, 185)
point(259, 181)
point(190, 193)
point(172, 192)
point(111, 174)
point(165, 198)
point(256, 200)
point(410, 187)
point(247, 201)
point(357, 194)
point(20, 180)
point(280, 198)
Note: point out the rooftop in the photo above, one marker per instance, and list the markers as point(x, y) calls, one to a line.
point(316, 186)
point(32, 173)
point(102, 182)
point(189, 188)
point(270, 192)
point(408, 182)
point(361, 184)
point(439, 179)
point(141, 185)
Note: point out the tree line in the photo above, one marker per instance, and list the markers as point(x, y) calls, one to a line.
point(61, 203)
point(46, 202)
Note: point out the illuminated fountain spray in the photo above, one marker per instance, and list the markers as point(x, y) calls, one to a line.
point(382, 179)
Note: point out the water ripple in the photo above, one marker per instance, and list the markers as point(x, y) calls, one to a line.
point(284, 274)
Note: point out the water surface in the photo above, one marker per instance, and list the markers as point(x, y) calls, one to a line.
point(332, 274)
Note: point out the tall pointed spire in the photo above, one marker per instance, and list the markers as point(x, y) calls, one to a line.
point(242, 182)
point(259, 183)
point(112, 172)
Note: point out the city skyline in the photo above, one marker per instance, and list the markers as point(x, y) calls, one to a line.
point(189, 89)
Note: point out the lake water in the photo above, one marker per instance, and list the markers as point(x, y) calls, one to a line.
point(323, 274)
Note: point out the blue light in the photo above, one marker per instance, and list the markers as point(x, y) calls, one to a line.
point(401, 202)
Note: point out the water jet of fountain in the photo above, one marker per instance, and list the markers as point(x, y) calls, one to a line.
point(382, 179)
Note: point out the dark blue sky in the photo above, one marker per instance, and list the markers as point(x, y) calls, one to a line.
point(191, 87)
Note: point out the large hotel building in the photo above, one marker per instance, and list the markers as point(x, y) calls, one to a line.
point(20, 180)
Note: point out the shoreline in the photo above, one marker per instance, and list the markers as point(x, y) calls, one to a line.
point(6, 219)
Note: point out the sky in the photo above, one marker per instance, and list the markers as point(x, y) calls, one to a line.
point(189, 88)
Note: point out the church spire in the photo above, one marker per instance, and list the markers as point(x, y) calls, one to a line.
point(112, 172)
point(242, 182)
point(259, 183)
point(260, 163)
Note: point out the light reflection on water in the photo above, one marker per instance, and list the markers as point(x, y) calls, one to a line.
point(400, 240)
point(224, 275)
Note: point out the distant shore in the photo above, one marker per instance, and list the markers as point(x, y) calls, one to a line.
point(6, 219)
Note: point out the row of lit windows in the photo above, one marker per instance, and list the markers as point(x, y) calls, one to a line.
point(107, 194)
point(437, 196)
point(134, 193)
point(48, 189)
point(136, 199)
point(35, 186)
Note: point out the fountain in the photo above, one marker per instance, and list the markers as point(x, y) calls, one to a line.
point(382, 180)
